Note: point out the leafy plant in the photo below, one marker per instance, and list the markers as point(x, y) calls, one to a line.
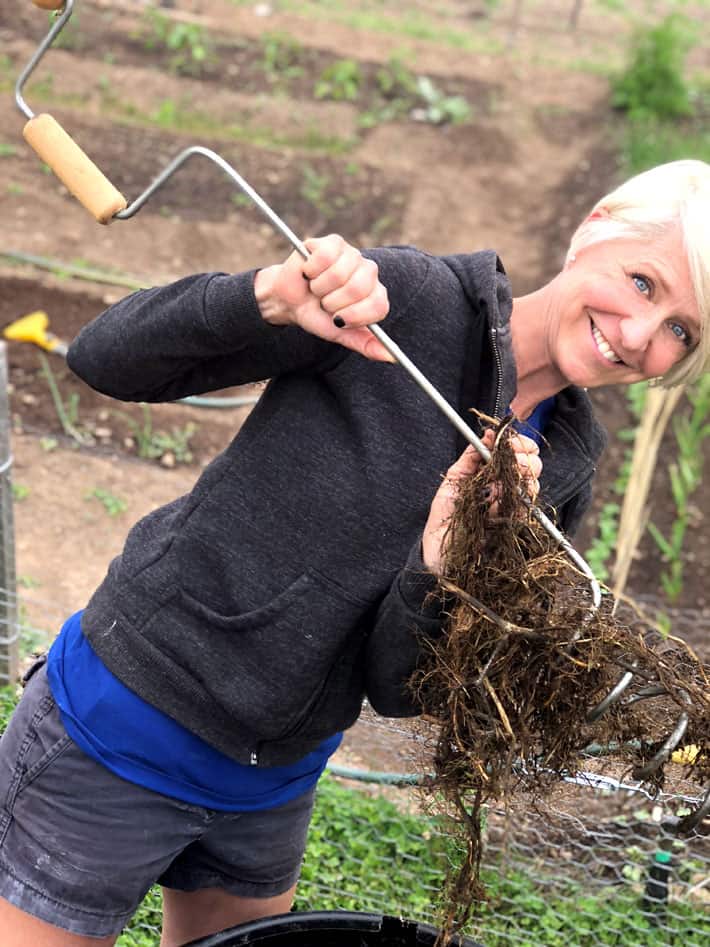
point(341, 81)
point(7, 151)
point(653, 84)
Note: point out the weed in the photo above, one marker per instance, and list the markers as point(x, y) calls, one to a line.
point(48, 444)
point(160, 445)
point(20, 492)
point(15, 189)
point(113, 505)
point(67, 411)
point(7, 151)
point(438, 107)
point(341, 81)
point(280, 56)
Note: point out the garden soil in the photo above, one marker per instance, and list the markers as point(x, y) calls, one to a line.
point(539, 147)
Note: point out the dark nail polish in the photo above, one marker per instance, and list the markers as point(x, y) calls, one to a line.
point(339, 322)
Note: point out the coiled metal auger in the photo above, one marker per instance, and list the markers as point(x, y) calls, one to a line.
point(93, 189)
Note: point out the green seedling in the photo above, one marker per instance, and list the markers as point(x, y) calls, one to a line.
point(67, 411)
point(20, 492)
point(113, 505)
point(341, 81)
point(281, 56)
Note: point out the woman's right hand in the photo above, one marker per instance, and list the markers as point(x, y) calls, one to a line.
point(334, 294)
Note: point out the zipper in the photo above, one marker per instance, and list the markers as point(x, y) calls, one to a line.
point(499, 372)
point(254, 758)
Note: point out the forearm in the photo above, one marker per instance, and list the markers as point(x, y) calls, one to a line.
point(409, 615)
point(201, 333)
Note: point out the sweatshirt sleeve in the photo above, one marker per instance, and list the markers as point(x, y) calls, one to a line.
point(409, 614)
point(201, 333)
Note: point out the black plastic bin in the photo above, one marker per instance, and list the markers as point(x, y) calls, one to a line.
point(328, 929)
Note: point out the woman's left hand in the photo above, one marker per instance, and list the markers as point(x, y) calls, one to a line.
point(527, 456)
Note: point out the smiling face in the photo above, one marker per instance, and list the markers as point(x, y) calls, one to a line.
point(624, 311)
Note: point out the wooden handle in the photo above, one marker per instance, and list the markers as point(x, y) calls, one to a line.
point(49, 4)
point(73, 167)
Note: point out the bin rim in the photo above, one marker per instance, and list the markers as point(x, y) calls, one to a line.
point(312, 921)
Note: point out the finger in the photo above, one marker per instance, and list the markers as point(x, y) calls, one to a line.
point(529, 465)
point(337, 274)
point(364, 312)
point(522, 444)
point(324, 251)
point(364, 343)
point(360, 287)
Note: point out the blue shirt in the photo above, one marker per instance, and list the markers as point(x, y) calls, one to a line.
point(143, 745)
point(534, 426)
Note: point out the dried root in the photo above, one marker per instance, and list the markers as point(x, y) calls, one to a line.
point(522, 661)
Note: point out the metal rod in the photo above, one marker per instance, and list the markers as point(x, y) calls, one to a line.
point(39, 52)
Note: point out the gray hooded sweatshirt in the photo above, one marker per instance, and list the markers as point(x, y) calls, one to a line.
point(260, 608)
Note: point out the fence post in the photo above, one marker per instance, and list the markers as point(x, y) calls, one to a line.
point(9, 637)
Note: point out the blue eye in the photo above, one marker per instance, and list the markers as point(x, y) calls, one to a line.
point(643, 283)
point(681, 333)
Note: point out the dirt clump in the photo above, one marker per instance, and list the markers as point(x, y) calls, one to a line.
point(523, 659)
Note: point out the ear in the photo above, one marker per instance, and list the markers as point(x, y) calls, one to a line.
point(599, 213)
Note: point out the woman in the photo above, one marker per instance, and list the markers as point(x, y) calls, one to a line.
point(179, 727)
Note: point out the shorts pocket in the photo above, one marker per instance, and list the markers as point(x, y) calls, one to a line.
point(45, 739)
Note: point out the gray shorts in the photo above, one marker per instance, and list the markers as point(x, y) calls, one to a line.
point(80, 847)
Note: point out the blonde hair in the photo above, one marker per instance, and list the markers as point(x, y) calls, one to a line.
point(645, 207)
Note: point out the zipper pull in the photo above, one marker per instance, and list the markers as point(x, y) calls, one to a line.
point(253, 759)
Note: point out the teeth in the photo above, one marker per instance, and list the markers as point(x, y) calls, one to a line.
point(604, 347)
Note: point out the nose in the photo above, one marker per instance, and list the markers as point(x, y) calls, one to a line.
point(636, 331)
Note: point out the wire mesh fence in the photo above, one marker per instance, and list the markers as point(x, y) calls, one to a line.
point(596, 862)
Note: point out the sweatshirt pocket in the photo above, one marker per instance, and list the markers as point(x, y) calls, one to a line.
point(267, 667)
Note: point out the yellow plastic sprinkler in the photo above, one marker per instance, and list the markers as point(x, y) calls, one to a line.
point(34, 328)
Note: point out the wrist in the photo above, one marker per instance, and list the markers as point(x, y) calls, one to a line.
point(273, 309)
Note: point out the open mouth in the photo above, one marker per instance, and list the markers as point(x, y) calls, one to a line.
point(604, 348)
